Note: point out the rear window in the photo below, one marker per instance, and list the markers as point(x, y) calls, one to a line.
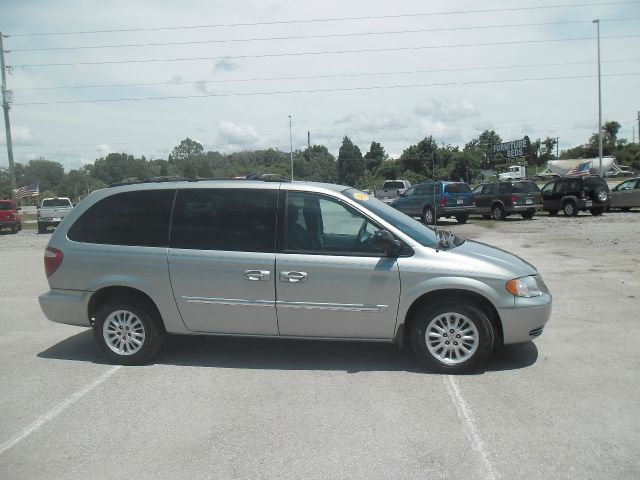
point(524, 187)
point(457, 188)
point(594, 182)
point(393, 185)
point(56, 202)
point(132, 218)
point(5, 206)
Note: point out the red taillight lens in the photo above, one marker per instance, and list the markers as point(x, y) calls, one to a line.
point(513, 199)
point(443, 202)
point(473, 200)
point(52, 260)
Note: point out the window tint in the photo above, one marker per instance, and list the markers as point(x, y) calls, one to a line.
point(574, 185)
point(393, 184)
point(315, 223)
point(5, 206)
point(524, 187)
point(548, 188)
point(421, 190)
point(457, 188)
point(504, 188)
point(489, 189)
point(132, 218)
point(224, 219)
point(594, 182)
point(410, 191)
point(56, 202)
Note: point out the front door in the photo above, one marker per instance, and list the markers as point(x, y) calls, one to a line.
point(331, 283)
point(222, 258)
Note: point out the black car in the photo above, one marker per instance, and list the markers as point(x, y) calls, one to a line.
point(574, 194)
point(498, 200)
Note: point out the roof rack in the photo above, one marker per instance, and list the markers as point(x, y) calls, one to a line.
point(266, 177)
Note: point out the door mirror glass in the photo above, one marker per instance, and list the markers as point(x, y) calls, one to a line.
point(384, 241)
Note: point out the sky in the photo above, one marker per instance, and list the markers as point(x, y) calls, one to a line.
point(231, 73)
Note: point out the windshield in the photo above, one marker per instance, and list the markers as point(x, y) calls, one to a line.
point(419, 232)
point(56, 202)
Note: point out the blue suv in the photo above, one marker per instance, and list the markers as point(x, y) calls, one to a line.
point(431, 200)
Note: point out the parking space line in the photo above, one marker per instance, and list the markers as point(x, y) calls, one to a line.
point(57, 410)
point(466, 417)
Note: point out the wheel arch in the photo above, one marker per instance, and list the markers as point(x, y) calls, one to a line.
point(103, 295)
point(476, 299)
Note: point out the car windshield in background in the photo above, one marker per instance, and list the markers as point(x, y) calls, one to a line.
point(393, 185)
point(457, 188)
point(524, 187)
point(407, 225)
point(55, 203)
point(5, 206)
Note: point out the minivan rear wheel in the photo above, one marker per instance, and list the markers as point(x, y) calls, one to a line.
point(128, 331)
point(428, 216)
point(462, 218)
point(451, 336)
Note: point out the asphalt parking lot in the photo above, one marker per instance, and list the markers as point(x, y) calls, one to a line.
point(565, 406)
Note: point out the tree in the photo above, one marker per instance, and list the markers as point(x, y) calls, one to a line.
point(419, 158)
point(187, 157)
point(319, 165)
point(47, 174)
point(374, 157)
point(480, 147)
point(117, 167)
point(350, 163)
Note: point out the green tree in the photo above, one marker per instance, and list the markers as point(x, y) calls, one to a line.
point(350, 163)
point(375, 156)
point(188, 158)
point(46, 173)
point(319, 165)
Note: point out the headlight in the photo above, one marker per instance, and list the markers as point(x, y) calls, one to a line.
point(524, 287)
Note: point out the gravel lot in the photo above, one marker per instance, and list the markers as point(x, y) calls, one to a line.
point(565, 406)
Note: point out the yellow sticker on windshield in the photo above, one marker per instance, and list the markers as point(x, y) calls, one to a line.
point(363, 197)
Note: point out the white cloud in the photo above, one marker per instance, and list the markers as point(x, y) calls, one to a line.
point(20, 136)
point(226, 65)
point(446, 110)
point(388, 119)
point(237, 135)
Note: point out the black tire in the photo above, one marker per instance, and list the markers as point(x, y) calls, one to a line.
point(462, 218)
point(456, 310)
point(133, 309)
point(625, 209)
point(600, 195)
point(428, 216)
point(14, 229)
point(597, 211)
point(497, 212)
point(528, 215)
point(569, 209)
point(486, 217)
point(42, 229)
point(553, 213)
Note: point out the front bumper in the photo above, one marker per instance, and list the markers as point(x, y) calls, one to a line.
point(66, 306)
point(526, 320)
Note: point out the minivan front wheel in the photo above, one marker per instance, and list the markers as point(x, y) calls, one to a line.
point(128, 331)
point(451, 337)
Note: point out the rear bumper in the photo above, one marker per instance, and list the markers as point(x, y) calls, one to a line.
point(8, 223)
point(524, 323)
point(66, 306)
point(523, 208)
point(450, 211)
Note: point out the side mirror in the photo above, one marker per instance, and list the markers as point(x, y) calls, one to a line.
point(384, 241)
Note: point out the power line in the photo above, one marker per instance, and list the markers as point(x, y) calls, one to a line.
point(301, 37)
point(312, 77)
point(332, 52)
point(321, 90)
point(337, 19)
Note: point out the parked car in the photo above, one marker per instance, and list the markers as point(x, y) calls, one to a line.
point(10, 216)
point(432, 200)
point(626, 195)
point(574, 194)
point(52, 211)
point(391, 189)
point(498, 200)
point(136, 262)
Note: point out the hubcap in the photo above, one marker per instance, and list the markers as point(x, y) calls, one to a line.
point(497, 213)
point(569, 208)
point(428, 216)
point(602, 195)
point(123, 332)
point(451, 338)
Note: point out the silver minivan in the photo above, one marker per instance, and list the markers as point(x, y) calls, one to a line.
point(283, 260)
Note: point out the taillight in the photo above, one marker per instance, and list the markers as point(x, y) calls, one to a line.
point(513, 199)
point(473, 200)
point(443, 202)
point(52, 260)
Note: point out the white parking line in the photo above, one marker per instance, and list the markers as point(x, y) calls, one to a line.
point(466, 417)
point(55, 411)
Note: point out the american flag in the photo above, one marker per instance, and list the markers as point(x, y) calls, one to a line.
point(28, 191)
point(580, 170)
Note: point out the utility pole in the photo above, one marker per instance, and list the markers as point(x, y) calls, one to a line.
point(597, 22)
point(557, 147)
point(291, 147)
point(309, 140)
point(7, 125)
point(638, 126)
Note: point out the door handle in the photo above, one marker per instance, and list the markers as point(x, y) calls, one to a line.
point(293, 277)
point(256, 275)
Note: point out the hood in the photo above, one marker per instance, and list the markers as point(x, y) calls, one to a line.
point(490, 261)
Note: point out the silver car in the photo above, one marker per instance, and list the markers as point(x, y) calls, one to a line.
point(282, 260)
